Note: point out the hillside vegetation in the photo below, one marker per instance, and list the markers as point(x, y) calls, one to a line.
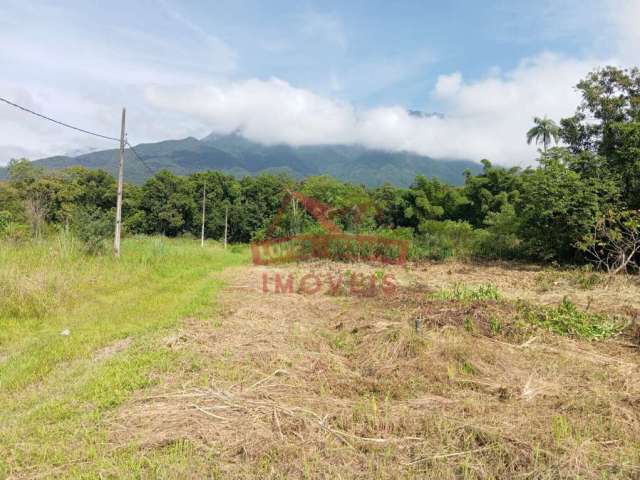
point(235, 155)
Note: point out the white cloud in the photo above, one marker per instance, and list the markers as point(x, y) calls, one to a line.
point(266, 111)
point(448, 85)
point(624, 16)
point(486, 118)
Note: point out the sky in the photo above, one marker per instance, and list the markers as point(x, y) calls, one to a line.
point(304, 72)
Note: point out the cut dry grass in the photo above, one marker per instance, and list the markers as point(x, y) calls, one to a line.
point(324, 386)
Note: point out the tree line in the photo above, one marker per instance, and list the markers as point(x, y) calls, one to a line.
point(578, 204)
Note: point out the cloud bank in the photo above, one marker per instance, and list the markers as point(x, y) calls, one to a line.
point(487, 118)
point(194, 82)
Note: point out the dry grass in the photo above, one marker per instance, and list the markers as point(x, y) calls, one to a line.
point(339, 386)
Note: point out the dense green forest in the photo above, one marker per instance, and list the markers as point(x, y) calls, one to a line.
point(579, 204)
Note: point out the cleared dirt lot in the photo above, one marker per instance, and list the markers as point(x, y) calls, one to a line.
point(342, 385)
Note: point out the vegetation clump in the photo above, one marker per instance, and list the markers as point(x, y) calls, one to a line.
point(463, 293)
point(567, 319)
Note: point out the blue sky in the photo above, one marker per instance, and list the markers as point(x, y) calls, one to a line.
point(304, 72)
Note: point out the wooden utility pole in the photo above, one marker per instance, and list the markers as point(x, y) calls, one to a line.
point(116, 242)
point(294, 220)
point(226, 224)
point(204, 206)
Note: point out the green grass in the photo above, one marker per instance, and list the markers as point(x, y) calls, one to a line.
point(463, 293)
point(54, 389)
point(567, 319)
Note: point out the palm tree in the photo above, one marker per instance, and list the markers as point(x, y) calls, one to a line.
point(544, 130)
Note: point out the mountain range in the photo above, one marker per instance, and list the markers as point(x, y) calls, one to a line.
point(236, 155)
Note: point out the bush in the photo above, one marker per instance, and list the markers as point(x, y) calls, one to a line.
point(5, 220)
point(92, 228)
point(439, 240)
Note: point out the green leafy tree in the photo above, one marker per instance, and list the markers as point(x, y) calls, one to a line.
point(430, 199)
point(390, 205)
point(559, 206)
point(489, 191)
point(606, 125)
point(168, 205)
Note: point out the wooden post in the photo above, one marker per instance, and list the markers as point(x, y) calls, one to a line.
point(204, 203)
point(116, 241)
point(226, 224)
point(294, 222)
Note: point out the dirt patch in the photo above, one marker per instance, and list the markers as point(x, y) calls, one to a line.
point(111, 350)
point(323, 386)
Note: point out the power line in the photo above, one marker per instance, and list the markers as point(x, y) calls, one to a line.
point(8, 102)
point(151, 171)
point(57, 121)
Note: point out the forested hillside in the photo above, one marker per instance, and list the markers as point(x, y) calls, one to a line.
point(235, 155)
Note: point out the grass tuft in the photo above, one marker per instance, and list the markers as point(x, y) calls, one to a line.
point(568, 319)
point(462, 293)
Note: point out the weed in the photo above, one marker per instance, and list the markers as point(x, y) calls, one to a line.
point(495, 325)
point(586, 279)
point(567, 319)
point(560, 428)
point(469, 326)
point(462, 293)
point(468, 368)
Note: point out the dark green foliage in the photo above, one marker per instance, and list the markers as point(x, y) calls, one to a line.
point(94, 228)
point(235, 155)
point(490, 191)
point(559, 207)
point(433, 200)
point(5, 220)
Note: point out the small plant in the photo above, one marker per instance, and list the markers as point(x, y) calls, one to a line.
point(462, 293)
point(494, 325)
point(469, 326)
point(560, 428)
point(5, 221)
point(546, 280)
point(567, 319)
point(468, 368)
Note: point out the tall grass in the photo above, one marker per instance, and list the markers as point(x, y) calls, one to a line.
point(54, 388)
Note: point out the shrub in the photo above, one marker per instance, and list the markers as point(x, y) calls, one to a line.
point(92, 228)
point(5, 220)
point(439, 240)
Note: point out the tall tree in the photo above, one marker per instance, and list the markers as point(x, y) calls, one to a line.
point(543, 132)
point(607, 125)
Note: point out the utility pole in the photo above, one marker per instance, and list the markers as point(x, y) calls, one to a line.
point(294, 220)
point(204, 200)
point(226, 224)
point(116, 242)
